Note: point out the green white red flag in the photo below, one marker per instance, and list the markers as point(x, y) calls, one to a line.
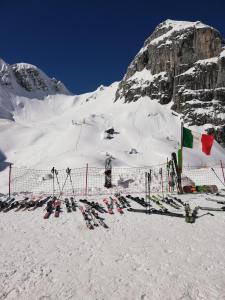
point(193, 140)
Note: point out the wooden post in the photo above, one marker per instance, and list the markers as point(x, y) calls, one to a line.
point(10, 173)
point(86, 180)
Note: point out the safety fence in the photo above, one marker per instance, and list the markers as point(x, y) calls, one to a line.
point(89, 181)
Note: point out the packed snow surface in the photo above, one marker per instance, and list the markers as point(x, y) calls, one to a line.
point(138, 257)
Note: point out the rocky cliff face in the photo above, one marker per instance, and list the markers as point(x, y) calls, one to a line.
point(182, 63)
point(27, 80)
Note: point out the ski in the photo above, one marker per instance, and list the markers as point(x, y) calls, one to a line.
point(157, 202)
point(156, 212)
point(140, 201)
point(49, 208)
point(215, 200)
point(22, 204)
point(6, 203)
point(118, 207)
point(177, 199)
point(100, 220)
point(212, 208)
point(40, 203)
point(88, 211)
point(68, 207)
point(123, 200)
point(109, 207)
point(194, 214)
point(169, 202)
point(122, 203)
point(10, 206)
point(57, 205)
point(188, 213)
point(94, 205)
point(73, 204)
point(29, 204)
point(86, 219)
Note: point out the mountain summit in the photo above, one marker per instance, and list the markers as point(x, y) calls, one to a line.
point(24, 80)
point(182, 63)
point(27, 80)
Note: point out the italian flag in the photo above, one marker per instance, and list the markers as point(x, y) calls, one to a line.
point(193, 140)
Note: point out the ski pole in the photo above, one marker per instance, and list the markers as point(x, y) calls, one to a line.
point(68, 173)
point(57, 179)
point(217, 177)
point(168, 174)
point(60, 189)
point(161, 173)
point(149, 188)
point(53, 182)
point(149, 183)
point(222, 170)
point(146, 188)
point(71, 182)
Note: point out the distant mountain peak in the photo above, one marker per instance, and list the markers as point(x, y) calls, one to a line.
point(24, 79)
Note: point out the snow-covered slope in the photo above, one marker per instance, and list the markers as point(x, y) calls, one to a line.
point(70, 131)
point(65, 130)
point(25, 80)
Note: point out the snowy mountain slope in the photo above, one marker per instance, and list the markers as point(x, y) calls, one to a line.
point(70, 130)
point(24, 80)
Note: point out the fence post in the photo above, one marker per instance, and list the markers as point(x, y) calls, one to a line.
point(10, 173)
point(86, 180)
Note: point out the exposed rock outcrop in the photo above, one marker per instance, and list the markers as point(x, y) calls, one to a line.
point(27, 81)
point(182, 63)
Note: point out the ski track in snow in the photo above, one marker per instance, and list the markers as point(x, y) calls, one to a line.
point(139, 257)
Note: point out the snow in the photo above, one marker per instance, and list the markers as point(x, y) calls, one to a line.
point(192, 70)
point(139, 257)
point(212, 60)
point(64, 131)
point(222, 54)
point(40, 84)
point(146, 75)
point(22, 66)
point(175, 26)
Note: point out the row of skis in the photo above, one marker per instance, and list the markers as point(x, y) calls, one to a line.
point(91, 211)
point(175, 203)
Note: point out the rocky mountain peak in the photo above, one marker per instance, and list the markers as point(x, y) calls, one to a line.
point(27, 80)
point(182, 63)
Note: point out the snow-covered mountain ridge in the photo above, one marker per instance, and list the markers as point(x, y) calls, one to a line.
point(24, 80)
point(70, 130)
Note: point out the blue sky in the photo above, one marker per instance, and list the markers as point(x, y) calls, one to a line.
point(88, 43)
